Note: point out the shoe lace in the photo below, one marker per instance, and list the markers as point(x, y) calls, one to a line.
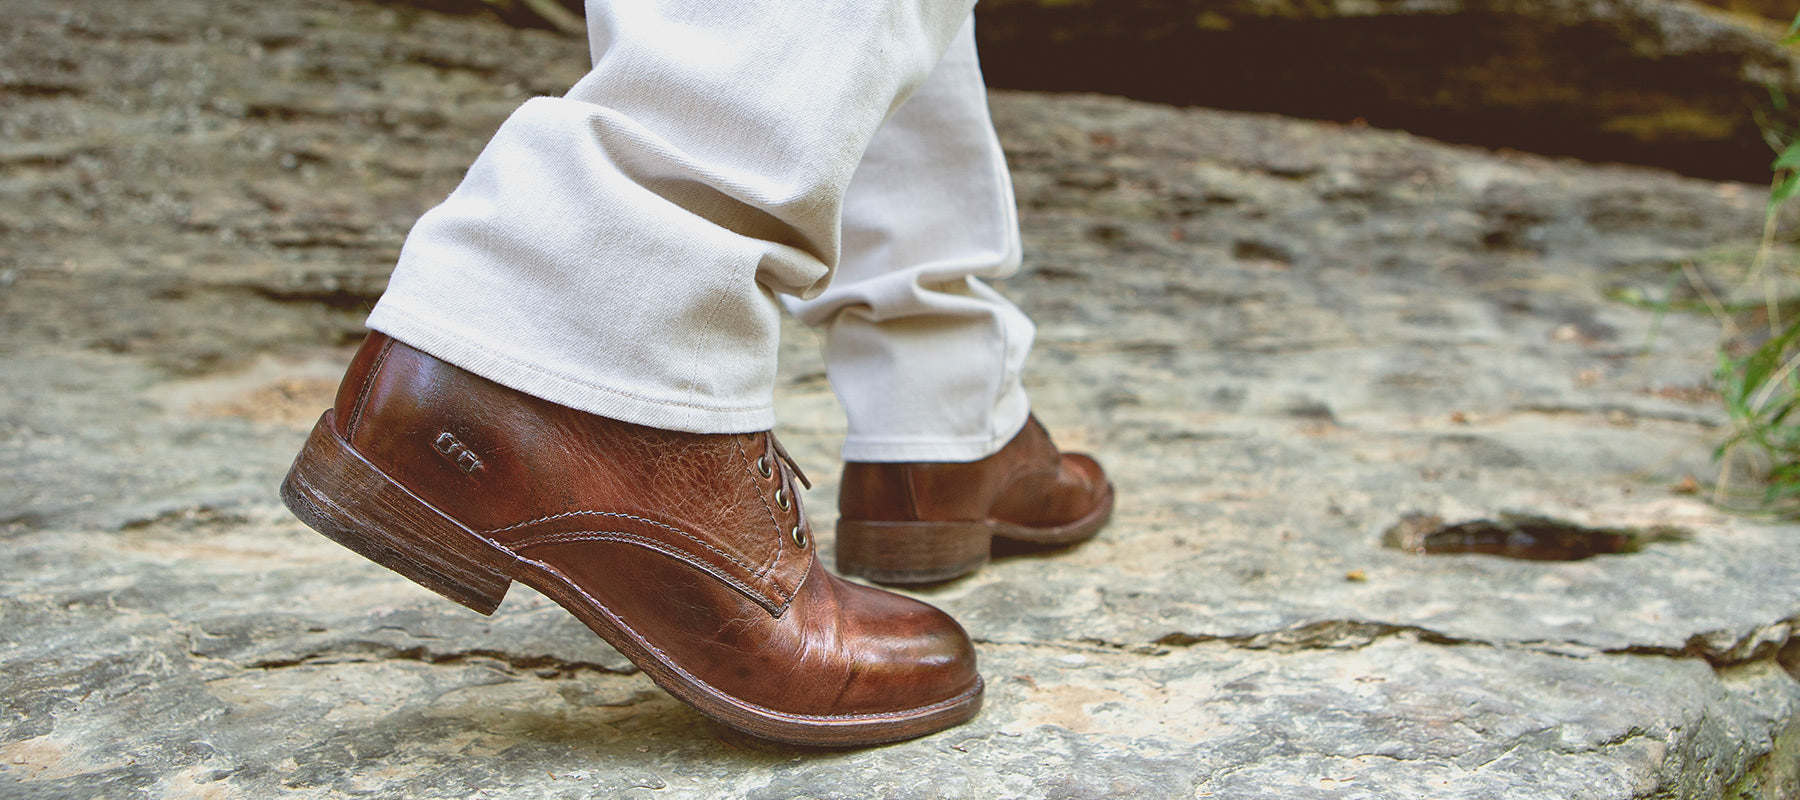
point(782, 453)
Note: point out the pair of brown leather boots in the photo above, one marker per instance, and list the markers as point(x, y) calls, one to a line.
point(689, 553)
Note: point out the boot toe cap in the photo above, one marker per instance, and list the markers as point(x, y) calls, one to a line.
point(910, 655)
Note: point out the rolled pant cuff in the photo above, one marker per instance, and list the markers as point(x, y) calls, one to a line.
point(1008, 419)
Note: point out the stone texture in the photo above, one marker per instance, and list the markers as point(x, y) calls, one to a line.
point(1282, 337)
point(1665, 82)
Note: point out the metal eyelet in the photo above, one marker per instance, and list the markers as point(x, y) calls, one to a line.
point(781, 499)
point(762, 466)
point(799, 536)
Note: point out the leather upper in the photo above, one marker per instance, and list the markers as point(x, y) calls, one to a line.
point(687, 540)
point(1028, 483)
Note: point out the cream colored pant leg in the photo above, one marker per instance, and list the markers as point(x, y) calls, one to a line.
point(926, 357)
point(616, 250)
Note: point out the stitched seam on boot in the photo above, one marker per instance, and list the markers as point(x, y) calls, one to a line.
point(773, 522)
point(647, 543)
point(368, 388)
point(531, 541)
point(912, 497)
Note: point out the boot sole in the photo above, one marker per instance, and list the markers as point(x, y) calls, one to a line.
point(337, 492)
point(934, 552)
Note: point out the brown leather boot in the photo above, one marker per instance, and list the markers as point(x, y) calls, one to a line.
point(930, 522)
point(687, 552)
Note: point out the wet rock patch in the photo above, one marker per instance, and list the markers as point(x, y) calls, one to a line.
point(1532, 537)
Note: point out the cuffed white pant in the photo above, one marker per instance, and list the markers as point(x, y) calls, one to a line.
point(618, 250)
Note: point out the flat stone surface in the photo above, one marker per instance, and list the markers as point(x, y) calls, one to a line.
point(1281, 337)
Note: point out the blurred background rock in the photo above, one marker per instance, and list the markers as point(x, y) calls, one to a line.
point(1664, 82)
point(1686, 85)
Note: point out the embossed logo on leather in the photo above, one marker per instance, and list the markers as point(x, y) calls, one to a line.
point(457, 453)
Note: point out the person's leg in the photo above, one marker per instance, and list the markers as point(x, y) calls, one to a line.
point(574, 340)
point(616, 250)
point(927, 358)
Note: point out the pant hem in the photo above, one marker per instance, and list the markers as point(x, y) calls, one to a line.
point(494, 364)
point(929, 449)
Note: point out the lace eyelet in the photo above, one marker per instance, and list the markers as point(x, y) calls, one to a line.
point(799, 536)
point(781, 499)
point(763, 468)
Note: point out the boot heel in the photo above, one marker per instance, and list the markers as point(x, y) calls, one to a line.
point(911, 552)
point(337, 493)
